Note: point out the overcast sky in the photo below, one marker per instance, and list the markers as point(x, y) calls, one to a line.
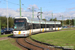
point(58, 7)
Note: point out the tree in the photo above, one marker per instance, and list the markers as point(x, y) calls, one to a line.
point(55, 19)
point(11, 22)
point(67, 21)
point(72, 22)
point(44, 19)
point(4, 21)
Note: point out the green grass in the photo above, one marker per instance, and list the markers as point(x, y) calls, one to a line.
point(6, 45)
point(60, 38)
point(6, 35)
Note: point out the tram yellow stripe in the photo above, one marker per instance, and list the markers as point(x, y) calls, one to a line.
point(58, 28)
point(43, 30)
point(19, 32)
point(30, 32)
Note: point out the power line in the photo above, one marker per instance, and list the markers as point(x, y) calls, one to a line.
point(11, 2)
point(24, 6)
point(15, 3)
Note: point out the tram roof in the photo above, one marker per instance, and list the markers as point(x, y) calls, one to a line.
point(39, 21)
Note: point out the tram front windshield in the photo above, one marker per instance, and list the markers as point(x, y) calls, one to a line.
point(19, 24)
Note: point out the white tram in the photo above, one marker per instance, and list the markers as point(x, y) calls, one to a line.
point(24, 27)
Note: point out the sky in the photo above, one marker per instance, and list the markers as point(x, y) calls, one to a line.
point(59, 8)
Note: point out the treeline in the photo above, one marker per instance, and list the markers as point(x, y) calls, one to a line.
point(4, 21)
point(67, 22)
point(64, 22)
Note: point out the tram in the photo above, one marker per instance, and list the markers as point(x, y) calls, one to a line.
point(24, 27)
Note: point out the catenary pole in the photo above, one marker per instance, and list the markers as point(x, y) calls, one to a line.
point(7, 17)
point(32, 12)
point(52, 16)
point(32, 17)
point(62, 20)
point(0, 26)
point(41, 12)
point(20, 7)
point(74, 21)
point(69, 21)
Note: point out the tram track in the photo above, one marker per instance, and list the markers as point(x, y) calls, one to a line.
point(36, 45)
point(28, 44)
point(26, 48)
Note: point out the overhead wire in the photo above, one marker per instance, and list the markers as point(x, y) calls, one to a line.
point(15, 3)
point(11, 2)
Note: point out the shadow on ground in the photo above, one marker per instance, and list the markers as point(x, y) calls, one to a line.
point(11, 36)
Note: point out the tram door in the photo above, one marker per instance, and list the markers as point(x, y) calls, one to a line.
point(30, 29)
point(51, 28)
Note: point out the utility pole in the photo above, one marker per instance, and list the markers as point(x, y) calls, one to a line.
point(41, 12)
point(52, 16)
point(20, 7)
point(62, 20)
point(7, 17)
point(32, 12)
point(32, 17)
point(0, 26)
point(74, 21)
point(69, 21)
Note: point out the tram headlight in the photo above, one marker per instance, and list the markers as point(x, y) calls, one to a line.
point(14, 32)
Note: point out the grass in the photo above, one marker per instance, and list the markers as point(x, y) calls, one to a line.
point(60, 38)
point(6, 45)
point(6, 35)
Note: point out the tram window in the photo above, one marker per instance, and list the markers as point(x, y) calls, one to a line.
point(42, 25)
point(35, 26)
point(38, 26)
point(30, 27)
point(53, 25)
point(50, 25)
point(59, 25)
point(47, 25)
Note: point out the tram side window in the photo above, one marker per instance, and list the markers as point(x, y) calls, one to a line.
point(50, 25)
point(26, 26)
point(35, 26)
point(30, 27)
point(38, 26)
point(42, 25)
point(59, 25)
point(47, 25)
point(53, 25)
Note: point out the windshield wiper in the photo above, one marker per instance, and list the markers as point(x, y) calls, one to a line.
point(22, 29)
